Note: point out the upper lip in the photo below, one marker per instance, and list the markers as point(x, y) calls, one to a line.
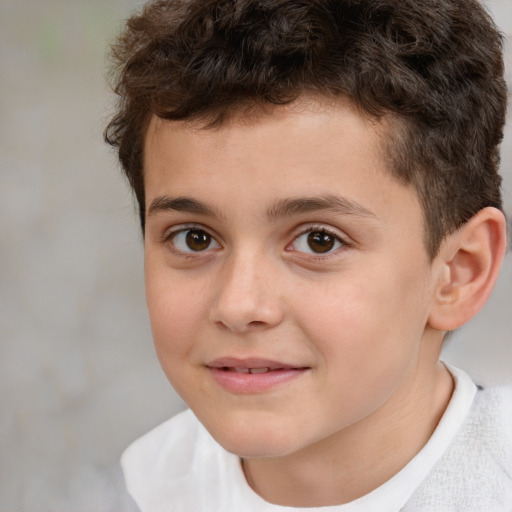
point(251, 362)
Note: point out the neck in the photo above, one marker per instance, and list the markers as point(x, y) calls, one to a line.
point(360, 458)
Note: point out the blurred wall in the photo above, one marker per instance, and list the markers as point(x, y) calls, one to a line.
point(78, 377)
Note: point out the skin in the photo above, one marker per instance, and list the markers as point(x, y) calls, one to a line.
point(355, 317)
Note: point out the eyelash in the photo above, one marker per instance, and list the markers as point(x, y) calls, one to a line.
point(170, 237)
point(342, 241)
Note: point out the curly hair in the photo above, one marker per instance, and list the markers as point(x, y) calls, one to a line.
point(433, 67)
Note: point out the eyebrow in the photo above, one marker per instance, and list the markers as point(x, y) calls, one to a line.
point(181, 204)
point(281, 208)
point(337, 204)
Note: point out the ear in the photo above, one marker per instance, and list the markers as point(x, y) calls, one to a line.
point(466, 268)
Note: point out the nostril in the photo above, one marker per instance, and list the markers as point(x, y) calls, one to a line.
point(256, 323)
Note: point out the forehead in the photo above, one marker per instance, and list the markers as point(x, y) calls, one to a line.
point(269, 132)
point(309, 148)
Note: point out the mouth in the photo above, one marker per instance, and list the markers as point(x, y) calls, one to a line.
point(248, 370)
point(253, 375)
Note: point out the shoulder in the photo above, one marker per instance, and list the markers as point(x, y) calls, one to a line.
point(158, 467)
point(489, 426)
point(178, 466)
point(494, 403)
point(475, 472)
point(175, 438)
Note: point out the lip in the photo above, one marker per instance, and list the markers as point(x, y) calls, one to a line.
point(252, 375)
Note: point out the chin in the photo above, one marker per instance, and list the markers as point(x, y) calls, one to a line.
point(254, 439)
point(254, 447)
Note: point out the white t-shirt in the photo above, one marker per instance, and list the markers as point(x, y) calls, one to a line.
point(465, 466)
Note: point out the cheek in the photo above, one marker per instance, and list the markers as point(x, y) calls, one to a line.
point(173, 312)
point(365, 319)
point(364, 343)
point(175, 317)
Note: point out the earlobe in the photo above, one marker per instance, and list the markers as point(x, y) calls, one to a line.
point(467, 267)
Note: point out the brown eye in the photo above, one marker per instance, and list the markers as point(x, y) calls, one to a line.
point(197, 240)
point(317, 241)
point(193, 240)
point(321, 241)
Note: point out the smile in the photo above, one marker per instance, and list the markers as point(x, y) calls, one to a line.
point(252, 375)
point(248, 370)
point(254, 370)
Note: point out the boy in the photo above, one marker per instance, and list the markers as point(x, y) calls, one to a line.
point(319, 196)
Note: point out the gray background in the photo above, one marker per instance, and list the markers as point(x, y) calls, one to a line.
point(78, 377)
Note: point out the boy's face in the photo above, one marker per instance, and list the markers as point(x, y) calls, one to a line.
point(283, 242)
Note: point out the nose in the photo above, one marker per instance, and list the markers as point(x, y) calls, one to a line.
point(247, 298)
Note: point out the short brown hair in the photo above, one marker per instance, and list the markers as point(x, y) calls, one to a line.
point(433, 66)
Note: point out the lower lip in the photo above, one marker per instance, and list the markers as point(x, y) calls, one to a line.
point(236, 382)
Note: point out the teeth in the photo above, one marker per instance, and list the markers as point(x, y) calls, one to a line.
point(250, 370)
point(259, 370)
